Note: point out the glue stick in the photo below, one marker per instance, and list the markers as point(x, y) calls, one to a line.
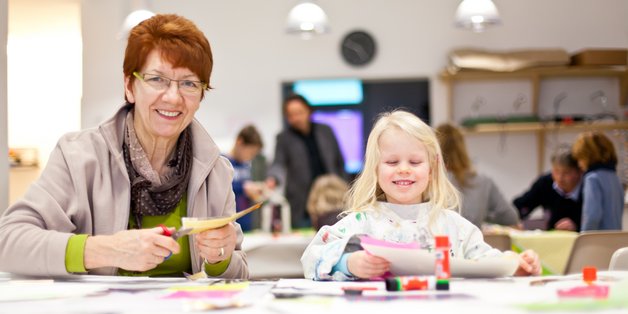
point(589, 274)
point(441, 269)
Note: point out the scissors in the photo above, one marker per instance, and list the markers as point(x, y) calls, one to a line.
point(179, 233)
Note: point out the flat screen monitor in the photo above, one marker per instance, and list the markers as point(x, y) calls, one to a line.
point(347, 126)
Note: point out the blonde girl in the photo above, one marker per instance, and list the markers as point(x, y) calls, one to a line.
point(403, 195)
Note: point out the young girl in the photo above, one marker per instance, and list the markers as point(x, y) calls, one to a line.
point(403, 195)
point(603, 194)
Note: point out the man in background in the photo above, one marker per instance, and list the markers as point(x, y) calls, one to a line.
point(559, 192)
point(304, 151)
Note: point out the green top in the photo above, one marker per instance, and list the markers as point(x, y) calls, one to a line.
point(172, 267)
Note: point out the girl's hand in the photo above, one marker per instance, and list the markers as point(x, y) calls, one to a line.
point(135, 250)
point(529, 264)
point(364, 265)
point(216, 245)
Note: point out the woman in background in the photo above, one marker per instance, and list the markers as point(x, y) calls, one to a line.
point(602, 194)
point(482, 201)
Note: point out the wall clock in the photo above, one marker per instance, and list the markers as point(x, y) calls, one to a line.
point(358, 48)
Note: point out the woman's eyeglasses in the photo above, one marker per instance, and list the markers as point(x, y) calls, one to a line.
point(162, 83)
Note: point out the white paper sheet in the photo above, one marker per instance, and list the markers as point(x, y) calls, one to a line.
point(411, 260)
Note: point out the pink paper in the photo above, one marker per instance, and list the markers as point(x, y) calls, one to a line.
point(372, 241)
point(208, 294)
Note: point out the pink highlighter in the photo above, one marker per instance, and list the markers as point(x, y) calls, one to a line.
point(590, 290)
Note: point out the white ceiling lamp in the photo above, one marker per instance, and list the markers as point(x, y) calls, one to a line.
point(139, 13)
point(477, 15)
point(307, 19)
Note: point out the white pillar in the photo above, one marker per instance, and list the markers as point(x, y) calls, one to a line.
point(4, 147)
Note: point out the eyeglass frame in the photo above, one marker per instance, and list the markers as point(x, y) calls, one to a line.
point(141, 76)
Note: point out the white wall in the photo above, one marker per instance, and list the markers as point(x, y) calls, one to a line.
point(44, 73)
point(253, 55)
point(4, 163)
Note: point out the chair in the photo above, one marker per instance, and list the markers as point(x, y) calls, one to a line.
point(595, 249)
point(619, 260)
point(501, 242)
point(271, 257)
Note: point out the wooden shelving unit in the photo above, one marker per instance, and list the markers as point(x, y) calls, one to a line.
point(544, 126)
point(536, 76)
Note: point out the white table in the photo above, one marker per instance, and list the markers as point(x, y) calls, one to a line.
point(91, 294)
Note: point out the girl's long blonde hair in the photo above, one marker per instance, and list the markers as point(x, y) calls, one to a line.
point(440, 192)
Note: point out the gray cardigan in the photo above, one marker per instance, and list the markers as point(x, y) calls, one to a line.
point(85, 189)
point(482, 201)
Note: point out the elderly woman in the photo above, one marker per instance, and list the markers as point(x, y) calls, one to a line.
point(100, 200)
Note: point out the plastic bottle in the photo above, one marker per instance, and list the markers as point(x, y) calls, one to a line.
point(441, 269)
point(406, 283)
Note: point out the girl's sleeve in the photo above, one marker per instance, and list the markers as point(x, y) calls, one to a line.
point(328, 246)
point(472, 241)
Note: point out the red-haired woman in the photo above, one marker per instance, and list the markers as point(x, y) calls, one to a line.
point(100, 200)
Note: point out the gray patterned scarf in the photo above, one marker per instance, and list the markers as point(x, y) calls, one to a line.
point(152, 195)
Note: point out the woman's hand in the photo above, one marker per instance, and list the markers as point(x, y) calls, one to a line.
point(364, 265)
point(529, 264)
point(135, 250)
point(216, 245)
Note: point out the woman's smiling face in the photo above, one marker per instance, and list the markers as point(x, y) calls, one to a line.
point(162, 113)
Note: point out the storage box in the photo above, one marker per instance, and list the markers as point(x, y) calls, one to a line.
point(600, 57)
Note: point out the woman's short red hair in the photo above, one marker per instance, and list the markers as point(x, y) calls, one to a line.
point(181, 43)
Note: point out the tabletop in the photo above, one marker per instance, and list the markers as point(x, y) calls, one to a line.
point(100, 294)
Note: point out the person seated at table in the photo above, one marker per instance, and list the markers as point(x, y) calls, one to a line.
point(482, 201)
point(603, 193)
point(559, 192)
point(247, 145)
point(98, 203)
point(403, 195)
point(326, 200)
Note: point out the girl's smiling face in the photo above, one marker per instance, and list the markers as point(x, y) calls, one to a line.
point(403, 172)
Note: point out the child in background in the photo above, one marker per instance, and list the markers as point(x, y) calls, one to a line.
point(247, 145)
point(402, 195)
point(326, 200)
point(603, 194)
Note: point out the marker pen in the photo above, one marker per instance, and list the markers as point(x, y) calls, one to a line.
point(407, 283)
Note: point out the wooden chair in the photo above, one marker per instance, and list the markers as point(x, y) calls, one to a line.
point(595, 249)
point(619, 260)
point(501, 242)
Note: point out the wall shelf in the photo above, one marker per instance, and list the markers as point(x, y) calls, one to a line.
point(536, 76)
point(544, 126)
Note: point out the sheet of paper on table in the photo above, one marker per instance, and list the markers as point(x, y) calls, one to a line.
point(203, 224)
point(410, 259)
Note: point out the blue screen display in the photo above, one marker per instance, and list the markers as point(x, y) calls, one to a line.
point(330, 91)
